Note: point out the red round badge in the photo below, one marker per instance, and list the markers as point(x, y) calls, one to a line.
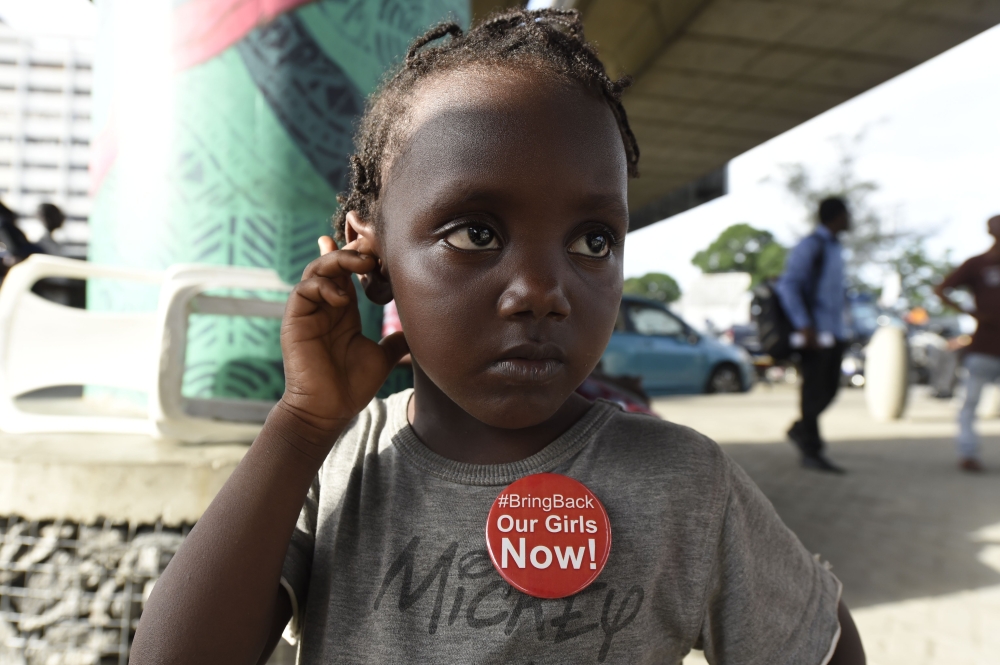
point(548, 535)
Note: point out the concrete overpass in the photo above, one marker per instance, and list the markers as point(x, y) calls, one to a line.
point(715, 78)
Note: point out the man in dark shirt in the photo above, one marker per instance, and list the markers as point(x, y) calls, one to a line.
point(981, 276)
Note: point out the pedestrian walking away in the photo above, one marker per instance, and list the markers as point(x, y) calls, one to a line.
point(811, 292)
point(981, 276)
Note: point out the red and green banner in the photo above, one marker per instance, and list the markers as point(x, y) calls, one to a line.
point(222, 134)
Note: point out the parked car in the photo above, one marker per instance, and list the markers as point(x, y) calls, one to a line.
point(745, 335)
point(651, 342)
point(601, 386)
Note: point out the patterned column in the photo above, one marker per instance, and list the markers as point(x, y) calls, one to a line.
point(223, 129)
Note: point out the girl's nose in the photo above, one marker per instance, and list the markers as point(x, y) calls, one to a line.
point(535, 291)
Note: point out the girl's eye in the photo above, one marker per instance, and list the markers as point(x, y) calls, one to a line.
point(473, 238)
point(595, 244)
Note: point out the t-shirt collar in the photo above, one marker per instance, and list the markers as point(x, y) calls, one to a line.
point(551, 456)
point(824, 231)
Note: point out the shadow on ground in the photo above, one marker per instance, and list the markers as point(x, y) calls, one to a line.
point(901, 524)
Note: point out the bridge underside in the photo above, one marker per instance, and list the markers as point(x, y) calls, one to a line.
point(714, 78)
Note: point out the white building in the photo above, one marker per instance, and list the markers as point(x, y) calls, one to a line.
point(716, 302)
point(45, 85)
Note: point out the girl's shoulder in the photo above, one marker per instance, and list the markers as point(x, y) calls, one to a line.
point(641, 430)
point(650, 448)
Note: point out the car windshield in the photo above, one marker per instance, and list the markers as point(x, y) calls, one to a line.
point(654, 321)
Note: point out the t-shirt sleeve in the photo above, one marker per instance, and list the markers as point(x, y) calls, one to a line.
point(298, 559)
point(962, 276)
point(768, 599)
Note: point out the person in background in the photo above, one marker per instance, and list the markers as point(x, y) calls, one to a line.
point(944, 363)
point(981, 276)
point(52, 218)
point(812, 293)
point(16, 246)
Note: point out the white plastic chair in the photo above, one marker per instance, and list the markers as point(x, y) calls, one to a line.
point(44, 344)
point(183, 293)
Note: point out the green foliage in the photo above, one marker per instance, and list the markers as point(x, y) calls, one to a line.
point(742, 248)
point(655, 286)
point(919, 274)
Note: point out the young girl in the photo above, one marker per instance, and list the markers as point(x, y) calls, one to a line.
point(488, 198)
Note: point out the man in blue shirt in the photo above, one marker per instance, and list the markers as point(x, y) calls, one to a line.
point(811, 292)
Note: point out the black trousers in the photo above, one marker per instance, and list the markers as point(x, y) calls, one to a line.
point(820, 370)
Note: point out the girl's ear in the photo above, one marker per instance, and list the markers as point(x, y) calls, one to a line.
point(361, 237)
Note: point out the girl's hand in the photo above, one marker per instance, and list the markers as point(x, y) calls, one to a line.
point(331, 370)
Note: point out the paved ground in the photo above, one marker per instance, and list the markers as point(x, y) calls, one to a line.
point(915, 542)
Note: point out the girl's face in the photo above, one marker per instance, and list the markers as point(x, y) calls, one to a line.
point(502, 229)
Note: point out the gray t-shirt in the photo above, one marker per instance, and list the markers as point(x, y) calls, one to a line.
point(389, 564)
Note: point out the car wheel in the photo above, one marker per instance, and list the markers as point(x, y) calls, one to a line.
point(725, 379)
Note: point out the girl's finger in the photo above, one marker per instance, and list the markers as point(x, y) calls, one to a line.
point(326, 245)
point(311, 293)
point(339, 264)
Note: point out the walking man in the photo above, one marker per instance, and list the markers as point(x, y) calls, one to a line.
point(981, 276)
point(811, 292)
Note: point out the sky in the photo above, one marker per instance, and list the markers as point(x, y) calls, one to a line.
point(69, 18)
point(932, 144)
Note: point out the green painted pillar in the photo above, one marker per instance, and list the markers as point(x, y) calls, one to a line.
point(222, 130)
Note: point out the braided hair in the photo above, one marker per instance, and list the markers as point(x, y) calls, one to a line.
point(551, 39)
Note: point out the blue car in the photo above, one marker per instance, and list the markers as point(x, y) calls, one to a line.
point(671, 358)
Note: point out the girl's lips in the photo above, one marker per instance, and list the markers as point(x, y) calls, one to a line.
point(523, 370)
point(535, 351)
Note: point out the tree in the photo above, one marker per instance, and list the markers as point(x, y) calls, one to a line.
point(919, 274)
point(878, 242)
point(742, 248)
point(655, 286)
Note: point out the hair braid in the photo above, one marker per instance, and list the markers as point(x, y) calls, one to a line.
point(552, 38)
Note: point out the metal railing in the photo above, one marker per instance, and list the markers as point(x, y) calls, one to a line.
point(73, 593)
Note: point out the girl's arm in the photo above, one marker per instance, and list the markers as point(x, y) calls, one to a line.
point(849, 650)
point(220, 599)
point(282, 615)
point(942, 291)
point(216, 601)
